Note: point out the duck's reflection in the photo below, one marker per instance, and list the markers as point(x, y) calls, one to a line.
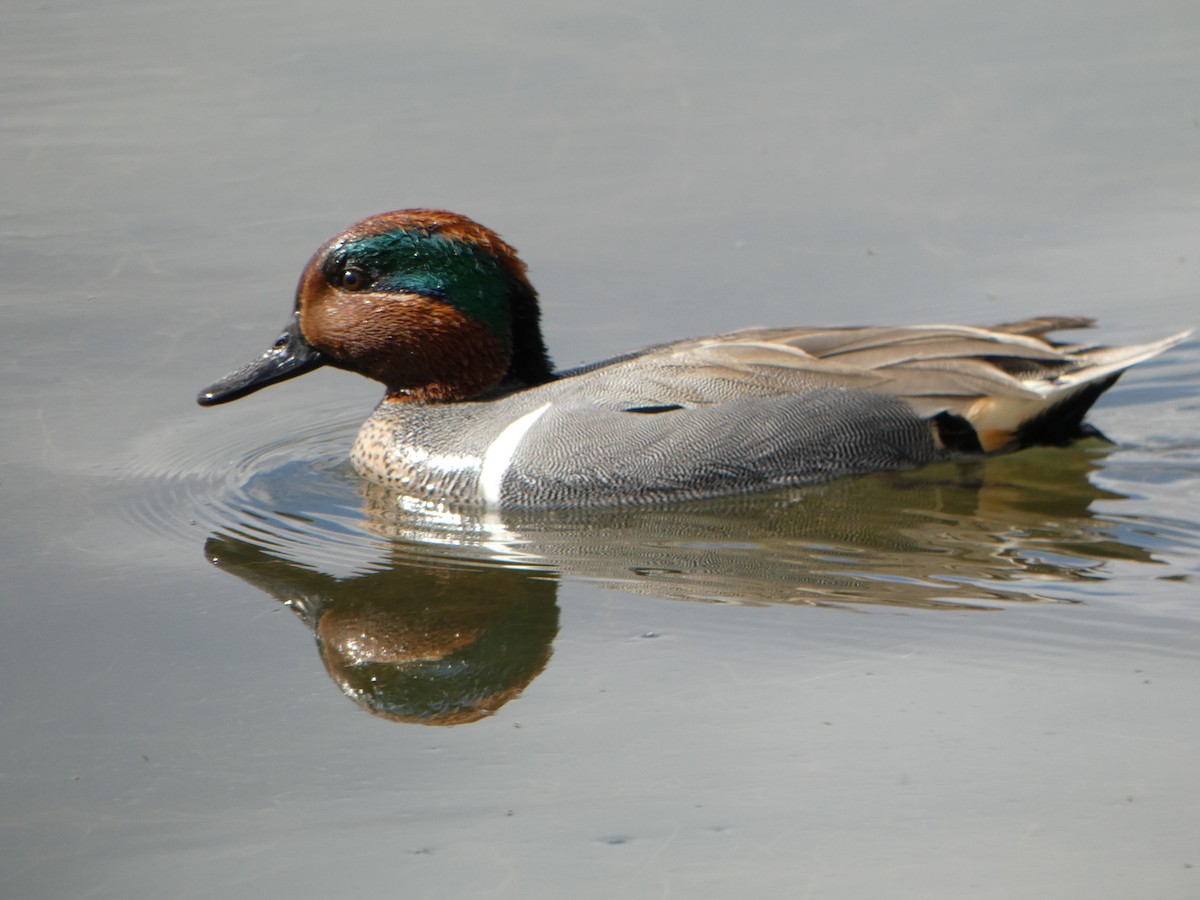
point(436, 645)
point(461, 616)
point(947, 536)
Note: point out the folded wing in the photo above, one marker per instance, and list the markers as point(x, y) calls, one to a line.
point(982, 389)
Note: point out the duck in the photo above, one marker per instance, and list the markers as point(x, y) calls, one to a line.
point(441, 311)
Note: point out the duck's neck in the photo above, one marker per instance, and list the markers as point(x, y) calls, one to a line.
point(466, 361)
point(530, 364)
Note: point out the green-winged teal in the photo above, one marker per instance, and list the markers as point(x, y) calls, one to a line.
point(439, 309)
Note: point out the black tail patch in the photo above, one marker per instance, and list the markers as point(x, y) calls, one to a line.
point(956, 433)
point(1063, 423)
point(1056, 426)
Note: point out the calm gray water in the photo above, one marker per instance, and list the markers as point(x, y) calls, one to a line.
point(227, 670)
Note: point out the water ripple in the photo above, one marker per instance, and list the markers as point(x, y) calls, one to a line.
point(297, 496)
point(1036, 526)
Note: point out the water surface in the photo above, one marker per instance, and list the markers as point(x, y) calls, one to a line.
point(232, 669)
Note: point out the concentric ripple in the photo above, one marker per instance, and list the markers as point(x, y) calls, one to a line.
point(295, 497)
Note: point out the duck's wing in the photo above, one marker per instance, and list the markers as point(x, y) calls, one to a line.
point(1009, 383)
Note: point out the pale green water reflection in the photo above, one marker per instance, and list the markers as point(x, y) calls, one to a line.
point(460, 614)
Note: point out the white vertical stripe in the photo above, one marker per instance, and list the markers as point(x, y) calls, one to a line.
point(499, 454)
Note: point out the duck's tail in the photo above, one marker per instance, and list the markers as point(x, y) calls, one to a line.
point(1053, 410)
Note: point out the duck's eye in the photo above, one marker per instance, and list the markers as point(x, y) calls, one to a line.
point(354, 278)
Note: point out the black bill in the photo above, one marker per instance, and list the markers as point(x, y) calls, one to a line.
point(289, 356)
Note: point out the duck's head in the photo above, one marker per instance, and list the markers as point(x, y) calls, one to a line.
point(432, 304)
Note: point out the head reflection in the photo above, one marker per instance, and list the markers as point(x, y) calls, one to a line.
point(425, 644)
